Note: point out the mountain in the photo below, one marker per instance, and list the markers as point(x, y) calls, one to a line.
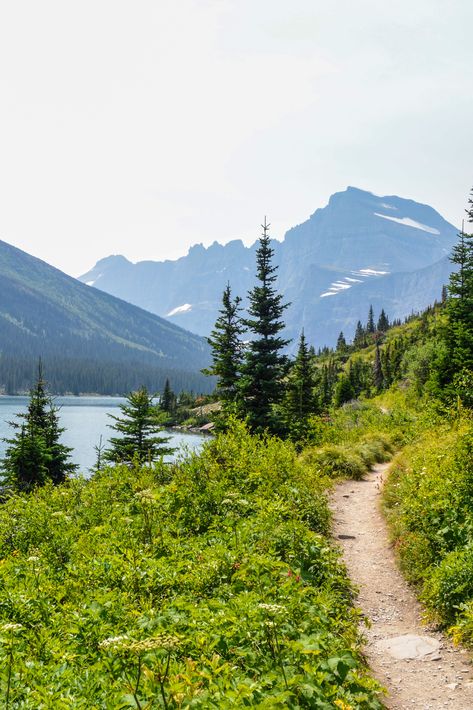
point(359, 249)
point(45, 313)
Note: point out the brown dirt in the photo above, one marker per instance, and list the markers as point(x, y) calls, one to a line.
point(442, 678)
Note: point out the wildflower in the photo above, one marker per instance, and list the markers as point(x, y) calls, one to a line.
point(289, 573)
point(11, 627)
point(145, 494)
point(123, 644)
point(150, 644)
point(33, 558)
point(114, 643)
point(298, 578)
point(343, 705)
point(272, 608)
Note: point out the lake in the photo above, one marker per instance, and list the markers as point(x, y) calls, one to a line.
point(85, 420)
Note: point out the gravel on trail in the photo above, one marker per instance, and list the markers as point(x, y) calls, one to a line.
point(418, 665)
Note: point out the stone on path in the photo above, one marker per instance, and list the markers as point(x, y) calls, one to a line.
point(408, 646)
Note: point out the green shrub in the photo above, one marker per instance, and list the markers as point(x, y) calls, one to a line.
point(333, 460)
point(449, 585)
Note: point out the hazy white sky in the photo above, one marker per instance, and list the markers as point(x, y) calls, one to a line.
point(141, 127)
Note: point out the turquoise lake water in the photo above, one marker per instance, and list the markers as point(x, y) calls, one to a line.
point(85, 420)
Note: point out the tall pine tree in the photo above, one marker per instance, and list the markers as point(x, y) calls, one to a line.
point(342, 346)
point(299, 400)
point(359, 341)
point(264, 365)
point(36, 454)
point(459, 308)
point(227, 349)
point(383, 322)
point(370, 327)
point(168, 398)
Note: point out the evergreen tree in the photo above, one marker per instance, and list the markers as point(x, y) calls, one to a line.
point(370, 324)
point(168, 399)
point(138, 428)
point(24, 465)
point(299, 401)
point(344, 391)
point(377, 369)
point(58, 464)
point(459, 308)
point(341, 344)
point(359, 375)
point(359, 341)
point(383, 322)
point(227, 348)
point(264, 365)
point(327, 381)
point(36, 454)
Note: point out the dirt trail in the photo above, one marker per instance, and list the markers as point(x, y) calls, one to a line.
point(418, 665)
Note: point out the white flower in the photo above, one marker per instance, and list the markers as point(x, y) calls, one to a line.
point(272, 608)
point(11, 627)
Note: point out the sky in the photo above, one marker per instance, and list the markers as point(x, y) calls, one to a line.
point(141, 127)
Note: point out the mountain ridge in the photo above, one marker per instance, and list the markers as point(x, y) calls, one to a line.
point(357, 238)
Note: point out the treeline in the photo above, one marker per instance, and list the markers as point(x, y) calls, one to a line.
point(76, 376)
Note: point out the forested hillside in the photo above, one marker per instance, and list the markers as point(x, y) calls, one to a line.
point(90, 341)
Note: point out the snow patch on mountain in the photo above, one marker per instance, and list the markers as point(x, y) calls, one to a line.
point(180, 309)
point(408, 222)
point(94, 281)
point(336, 287)
point(371, 272)
point(349, 281)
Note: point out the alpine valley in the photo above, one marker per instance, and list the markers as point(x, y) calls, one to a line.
point(359, 250)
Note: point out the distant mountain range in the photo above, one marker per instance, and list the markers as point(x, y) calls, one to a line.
point(360, 249)
point(87, 333)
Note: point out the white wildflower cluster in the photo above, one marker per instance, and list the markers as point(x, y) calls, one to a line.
point(114, 643)
point(33, 558)
point(122, 644)
point(272, 608)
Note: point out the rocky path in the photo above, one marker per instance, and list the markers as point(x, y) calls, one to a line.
point(419, 667)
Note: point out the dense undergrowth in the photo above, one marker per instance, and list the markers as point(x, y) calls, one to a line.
point(429, 503)
point(208, 583)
